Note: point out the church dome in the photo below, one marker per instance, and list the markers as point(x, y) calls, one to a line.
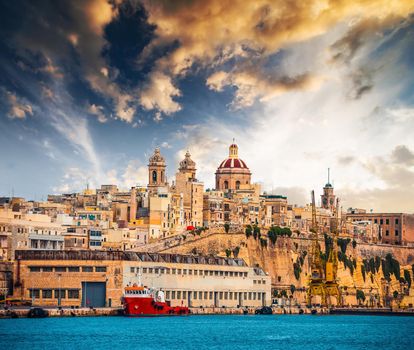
point(233, 162)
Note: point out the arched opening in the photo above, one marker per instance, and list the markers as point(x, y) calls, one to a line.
point(154, 176)
point(226, 185)
point(237, 185)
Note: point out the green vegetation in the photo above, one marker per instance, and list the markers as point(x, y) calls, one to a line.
point(297, 266)
point(360, 295)
point(390, 266)
point(363, 271)
point(328, 245)
point(283, 293)
point(343, 243)
point(292, 288)
point(297, 270)
point(256, 232)
point(236, 251)
point(226, 227)
point(407, 277)
point(348, 263)
point(354, 244)
point(276, 231)
point(395, 294)
point(263, 242)
point(228, 252)
point(249, 231)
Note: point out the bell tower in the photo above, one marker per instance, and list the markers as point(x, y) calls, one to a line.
point(156, 172)
point(328, 197)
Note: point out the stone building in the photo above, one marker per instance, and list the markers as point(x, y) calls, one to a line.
point(97, 278)
point(156, 172)
point(233, 173)
point(328, 197)
point(394, 228)
point(192, 190)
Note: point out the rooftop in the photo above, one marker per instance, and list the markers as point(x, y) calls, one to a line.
point(126, 256)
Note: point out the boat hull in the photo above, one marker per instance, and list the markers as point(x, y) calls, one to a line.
point(149, 307)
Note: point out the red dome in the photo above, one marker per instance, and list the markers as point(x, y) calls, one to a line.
point(233, 163)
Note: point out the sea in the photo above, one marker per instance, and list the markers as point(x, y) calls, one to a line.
point(248, 332)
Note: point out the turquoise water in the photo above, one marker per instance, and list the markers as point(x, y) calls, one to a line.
point(210, 332)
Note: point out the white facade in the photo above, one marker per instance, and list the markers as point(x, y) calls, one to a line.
point(203, 285)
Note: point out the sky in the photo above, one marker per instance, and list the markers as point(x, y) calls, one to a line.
point(88, 89)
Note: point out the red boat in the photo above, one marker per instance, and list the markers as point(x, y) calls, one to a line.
point(143, 301)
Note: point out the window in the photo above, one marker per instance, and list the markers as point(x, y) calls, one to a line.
point(396, 221)
point(226, 295)
point(60, 269)
point(167, 294)
point(47, 294)
point(381, 221)
point(237, 185)
point(73, 293)
point(100, 269)
point(144, 270)
point(156, 271)
point(376, 221)
point(221, 295)
point(179, 271)
point(47, 269)
point(87, 269)
point(154, 176)
point(184, 295)
point(195, 295)
point(387, 221)
point(34, 293)
point(178, 294)
point(73, 268)
point(34, 268)
point(200, 295)
point(174, 271)
point(396, 232)
point(210, 295)
point(387, 232)
point(205, 295)
point(226, 185)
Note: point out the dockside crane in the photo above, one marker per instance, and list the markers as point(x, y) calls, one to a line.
point(316, 286)
point(331, 281)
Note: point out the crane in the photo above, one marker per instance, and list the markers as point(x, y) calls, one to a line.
point(316, 286)
point(331, 283)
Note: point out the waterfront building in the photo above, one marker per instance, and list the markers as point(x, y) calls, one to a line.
point(97, 278)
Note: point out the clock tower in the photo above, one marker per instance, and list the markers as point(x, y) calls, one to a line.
point(328, 197)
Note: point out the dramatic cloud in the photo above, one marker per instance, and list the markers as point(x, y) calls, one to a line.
point(213, 32)
point(251, 85)
point(159, 95)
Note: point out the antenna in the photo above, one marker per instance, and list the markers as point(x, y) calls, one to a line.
point(328, 174)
